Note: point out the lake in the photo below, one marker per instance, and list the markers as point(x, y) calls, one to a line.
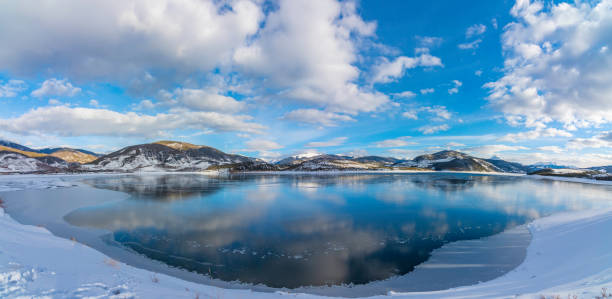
point(293, 230)
point(301, 230)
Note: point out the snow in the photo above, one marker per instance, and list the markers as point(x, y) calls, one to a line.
point(18, 163)
point(568, 171)
point(570, 254)
point(23, 182)
point(426, 163)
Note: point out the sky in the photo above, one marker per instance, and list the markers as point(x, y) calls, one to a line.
point(526, 81)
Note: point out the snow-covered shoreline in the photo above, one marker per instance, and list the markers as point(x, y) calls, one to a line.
point(568, 255)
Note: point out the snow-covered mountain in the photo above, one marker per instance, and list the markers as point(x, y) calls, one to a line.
point(181, 156)
point(330, 162)
point(451, 160)
point(175, 156)
point(12, 162)
point(546, 165)
point(506, 166)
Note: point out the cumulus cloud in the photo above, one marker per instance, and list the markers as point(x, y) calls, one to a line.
point(55, 102)
point(492, 149)
point(411, 114)
point(554, 68)
point(12, 88)
point(427, 90)
point(470, 45)
point(429, 41)
point(475, 30)
point(317, 117)
point(551, 148)
point(455, 88)
point(430, 129)
point(94, 103)
point(535, 134)
point(389, 71)
point(123, 40)
point(202, 99)
point(55, 87)
point(440, 112)
point(261, 145)
point(396, 142)
point(454, 144)
point(307, 50)
point(329, 143)
point(601, 140)
point(404, 95)
point(67, 121)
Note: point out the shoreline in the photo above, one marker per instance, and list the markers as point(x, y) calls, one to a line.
point(102, 276)
point(175, 287)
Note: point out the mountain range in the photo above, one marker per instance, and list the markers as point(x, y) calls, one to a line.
point(182, 156)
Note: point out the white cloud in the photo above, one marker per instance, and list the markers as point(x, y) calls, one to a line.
point(67, 121)
point(261, 145)
point(317, 117)
point(602, 140)
point(487, 151)
point(535, 134)
point(551, 148)
point(582, 160)
point(411, 114)
point(454, 144)
point(144, 105)
point(329, 143)
point(123, 40)
point(430, 129)
point(554, 69)
point(440, 112)
point(94, 103)
point(202, 100)
point(55, 87)
point(427, 90)
point(429, 41)
point(404, 95)
point(478, 73)
point(306, 51)
point(389, 71)
point(475, 30)
point(396, 142)
point(402, 153)
point(11, 88)
point(455, 89)
point(471, 45)
point(494, 23)
point(54, 102)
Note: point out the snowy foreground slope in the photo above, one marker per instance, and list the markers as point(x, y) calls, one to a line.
point(570, 254)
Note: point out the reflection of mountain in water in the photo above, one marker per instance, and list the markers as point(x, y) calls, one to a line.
point(159, 187)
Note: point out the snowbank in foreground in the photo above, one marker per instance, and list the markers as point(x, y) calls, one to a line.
point(569, 254)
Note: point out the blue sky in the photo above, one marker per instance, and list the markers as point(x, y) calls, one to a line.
point(524, 80)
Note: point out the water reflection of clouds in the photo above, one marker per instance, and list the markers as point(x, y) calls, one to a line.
point(322, 228)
